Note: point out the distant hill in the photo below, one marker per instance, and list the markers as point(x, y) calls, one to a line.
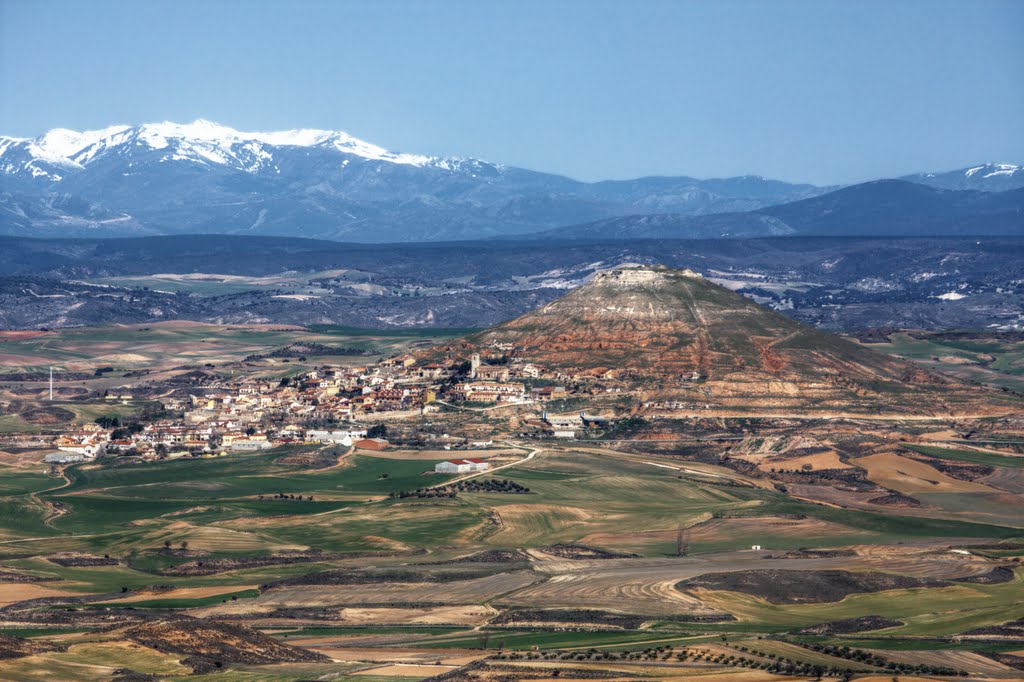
point(889, 208)
point(681, 339)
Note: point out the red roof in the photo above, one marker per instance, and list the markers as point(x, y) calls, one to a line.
point(474, 460)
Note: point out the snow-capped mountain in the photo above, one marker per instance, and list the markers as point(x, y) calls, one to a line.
point(988, 177)
point(61, 151)
point(167, 178)
point(170, 178)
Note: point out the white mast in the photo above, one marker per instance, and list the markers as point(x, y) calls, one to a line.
point(51, 383)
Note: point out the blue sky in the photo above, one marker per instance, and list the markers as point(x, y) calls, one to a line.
point(816, 91)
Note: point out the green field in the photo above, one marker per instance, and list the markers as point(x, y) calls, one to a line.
point(992, 360)
point(143, 514)
point(970, 456)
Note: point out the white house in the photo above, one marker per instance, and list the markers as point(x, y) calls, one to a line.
point(341, 437)
point(64, 457)
point(461, 466)
point(248, 445)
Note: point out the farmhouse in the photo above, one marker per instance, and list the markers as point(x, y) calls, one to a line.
point(461, 466)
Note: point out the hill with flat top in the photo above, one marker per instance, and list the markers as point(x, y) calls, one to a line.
point(675, 336)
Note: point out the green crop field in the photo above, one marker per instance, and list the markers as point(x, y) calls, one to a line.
point(970, 456)
point(994, 361)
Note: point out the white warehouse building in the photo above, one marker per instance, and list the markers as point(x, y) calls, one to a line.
point(461, 466)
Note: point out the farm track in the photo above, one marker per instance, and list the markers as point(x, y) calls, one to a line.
point(533, 453)
point(719, 472)
point(52, 512)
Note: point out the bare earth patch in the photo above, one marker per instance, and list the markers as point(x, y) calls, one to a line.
point(909, 476)
point(11, 593)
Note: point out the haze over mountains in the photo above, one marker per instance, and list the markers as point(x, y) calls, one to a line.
point(202, 177)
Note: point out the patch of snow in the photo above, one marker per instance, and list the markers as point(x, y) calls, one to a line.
point(951, 296)
point(1003, 170)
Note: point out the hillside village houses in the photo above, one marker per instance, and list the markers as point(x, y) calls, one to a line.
point(322, 405)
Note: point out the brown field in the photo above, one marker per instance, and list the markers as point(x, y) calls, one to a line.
point(909, 476)
point(389, 655)
point(741, 532)
point(768, 526)
point(991, 506)
point(647, 586)
point(521, 523)
point(960, 660)
point(1010, 480)
point(407, 670)
point(815, 462)
point(18, 360)
point(474, 591)
point(183, 593)
point(441, 615)
point(644, 587)
point(15, 592)
point(21, 334)
point(219, 538)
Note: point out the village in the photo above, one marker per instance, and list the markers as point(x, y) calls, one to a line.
point(328, 405)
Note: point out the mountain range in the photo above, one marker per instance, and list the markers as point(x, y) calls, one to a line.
point(883, 208)
point(201, 177)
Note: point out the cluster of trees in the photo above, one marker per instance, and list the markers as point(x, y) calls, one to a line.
point(126, 431)
point(868, 658)
point(774, 663)
point(666, 653)
point(287, 496)
point(489, 485)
